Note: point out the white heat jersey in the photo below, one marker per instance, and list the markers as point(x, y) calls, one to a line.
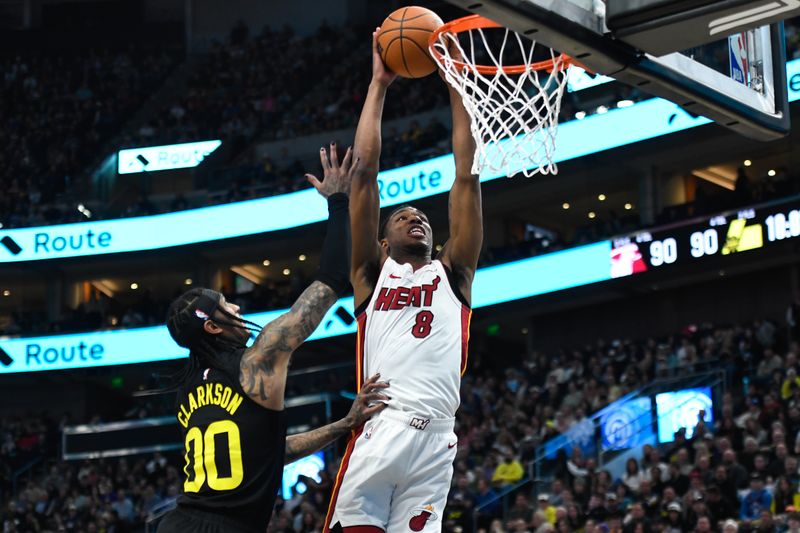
point(414, 332)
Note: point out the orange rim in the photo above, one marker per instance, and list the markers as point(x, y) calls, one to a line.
point(475, 22)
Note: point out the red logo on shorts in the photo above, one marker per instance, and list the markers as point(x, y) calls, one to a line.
point(417, 523)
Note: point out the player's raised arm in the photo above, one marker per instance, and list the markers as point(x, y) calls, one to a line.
point(264, 365)
point(370, 401)
point(462, 250)
point(364, 198)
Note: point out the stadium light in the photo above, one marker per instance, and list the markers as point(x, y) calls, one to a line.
point(601, 197)
point(565, 205)
point(580, 115)
point(771, 173)
point(747, 162)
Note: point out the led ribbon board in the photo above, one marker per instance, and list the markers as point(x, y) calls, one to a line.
point(646, 120)
point(695, 241)
point(743, 230)
point(167, 157)
point(577, 138)
point(493, 285)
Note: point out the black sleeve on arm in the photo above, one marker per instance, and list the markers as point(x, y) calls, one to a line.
point(334, 265)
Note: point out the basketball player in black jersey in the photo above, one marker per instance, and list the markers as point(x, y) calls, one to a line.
point(231, 398)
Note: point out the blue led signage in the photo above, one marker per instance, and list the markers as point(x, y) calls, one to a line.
point(167, 157)
point(647, 119)
point(577, 138)
point(681, 409)
point(494, 285)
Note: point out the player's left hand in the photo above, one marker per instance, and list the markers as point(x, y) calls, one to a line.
point(336, 177)
point(369, 401)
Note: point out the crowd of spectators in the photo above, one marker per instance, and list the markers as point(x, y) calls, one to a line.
point(278, 85)
point(738, 474)
point(61, 109)
point(58, 109)
point(239, 91)
point(244, 86)
point(265, 176)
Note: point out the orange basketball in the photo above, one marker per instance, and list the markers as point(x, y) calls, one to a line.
point(403, 41)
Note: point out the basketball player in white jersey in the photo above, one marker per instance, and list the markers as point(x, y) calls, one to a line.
point(413, 326)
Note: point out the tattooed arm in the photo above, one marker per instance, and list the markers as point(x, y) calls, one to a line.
point(265, 365)
point(302, 444)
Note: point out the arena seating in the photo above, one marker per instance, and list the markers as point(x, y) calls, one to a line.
point(47, 98)
point(505, 414)
point(742, 474)
point(223, 100)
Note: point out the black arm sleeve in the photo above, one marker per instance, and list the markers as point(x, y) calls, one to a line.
point(334, 265)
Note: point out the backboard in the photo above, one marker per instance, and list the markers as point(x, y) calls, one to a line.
point(736, 76)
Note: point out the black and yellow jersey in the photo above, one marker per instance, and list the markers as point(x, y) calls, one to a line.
point(234, 448)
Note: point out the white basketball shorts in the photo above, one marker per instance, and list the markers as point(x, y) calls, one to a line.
point(395, 476)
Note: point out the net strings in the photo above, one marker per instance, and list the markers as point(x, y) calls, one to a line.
point(514, 117)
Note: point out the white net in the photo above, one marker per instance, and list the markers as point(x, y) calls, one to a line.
point(514, 116)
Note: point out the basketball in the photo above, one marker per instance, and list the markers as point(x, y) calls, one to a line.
point(403, 41)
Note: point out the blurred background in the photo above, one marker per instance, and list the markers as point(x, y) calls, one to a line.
point(634, 349)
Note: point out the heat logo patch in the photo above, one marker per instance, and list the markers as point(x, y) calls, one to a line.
point(627, 260)
point(420, 517)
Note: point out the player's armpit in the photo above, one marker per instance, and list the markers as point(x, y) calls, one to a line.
point(264, 365)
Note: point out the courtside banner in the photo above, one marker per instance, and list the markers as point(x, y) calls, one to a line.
point(577, 138)
point(493, 285)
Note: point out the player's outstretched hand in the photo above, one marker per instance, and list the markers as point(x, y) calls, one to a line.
point(380, 72)
point(370, 401)
point(336, 177)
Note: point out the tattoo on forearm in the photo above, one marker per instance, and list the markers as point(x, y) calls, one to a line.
point(298, 446)
point(275, 344)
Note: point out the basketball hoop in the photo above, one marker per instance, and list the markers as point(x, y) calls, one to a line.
point(514, 108)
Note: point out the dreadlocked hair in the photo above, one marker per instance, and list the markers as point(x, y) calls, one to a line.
point(185, 319)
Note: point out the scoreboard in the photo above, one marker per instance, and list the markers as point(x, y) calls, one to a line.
point(732, 232)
